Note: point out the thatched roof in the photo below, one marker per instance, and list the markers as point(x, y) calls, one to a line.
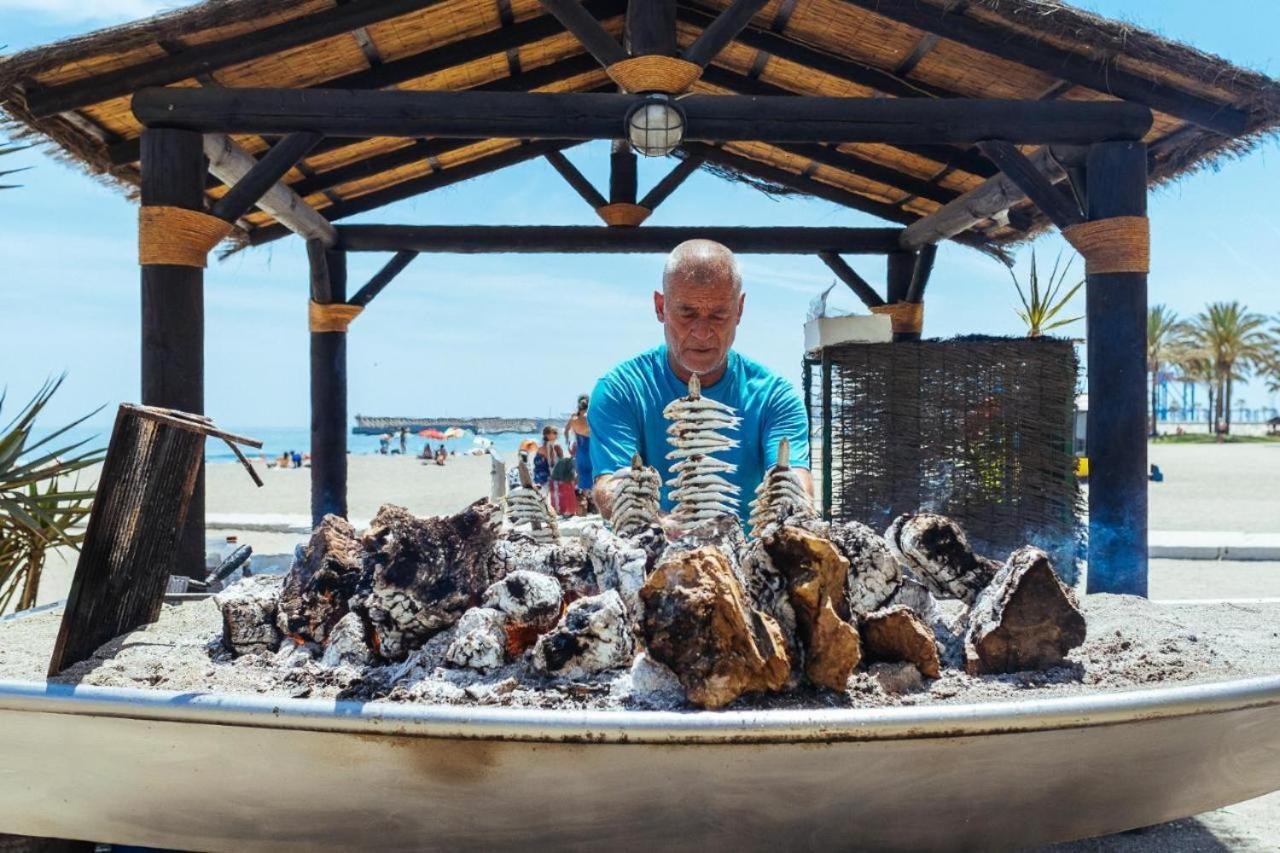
point(1205, 108)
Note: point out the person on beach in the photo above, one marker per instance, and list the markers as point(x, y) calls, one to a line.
point(577, 432)
point(404, 440)
point(699, 307)
point(549, 453)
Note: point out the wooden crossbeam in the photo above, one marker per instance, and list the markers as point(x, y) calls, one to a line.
point(921, 271)
point(594, 37)
point(670, 182)
point(264, 175)
point(871, 170)
point(232, 164)
point(650, 28)
point(535, 239)
point(212, 56)
point(859, 285)
point(1062, 211)
point(382, 278)
point(717, 34)
point(576, 179)
point(602, 116)
point(1028, 50)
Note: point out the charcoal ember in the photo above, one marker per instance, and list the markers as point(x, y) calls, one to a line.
point(480, 640)
point(948, 628)
point(937, 552)
point(294, 653)
point(532, 603)
point(816, 577)
point(321, 581)
point(1027, 619)
point(425, 572)
point(618, 563)
point(347, 644)
point(897, 634)
point(874, 573)
point(249, 615)
point(593, 635)
point(565, 561)
point(698, 622)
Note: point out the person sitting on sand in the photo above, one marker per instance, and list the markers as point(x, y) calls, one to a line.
point(699, 306)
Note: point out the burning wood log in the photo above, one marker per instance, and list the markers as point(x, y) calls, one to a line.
point(1025, 620)
point(697, 621)
point(249, 616)
point(532, 603)
point(618, 563)
point(424, 572)
point(594, 635)
point(526, 505)
point(321, 581)
point(897, 634)
point(874, 574)
point(948, 632)
point(699, 488)
point(480, 642)
point(816, 575)
point(347, 643)
point(781, 497)
point(565, 561)
point(635, 504)
point(938, 553)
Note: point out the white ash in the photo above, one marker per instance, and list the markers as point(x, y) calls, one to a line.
point(249, 615)
point(618, 563)
point(526, 598)
point(650, 684)
point(480, 640)
point(874, 574)
point(565, 561)
point(594, 635)
point(937, 551)
point(949, 619)
point(896, 679)
point(347, 645)
point(293, 653)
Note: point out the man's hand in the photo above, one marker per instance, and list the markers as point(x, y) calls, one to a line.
point(605, 491)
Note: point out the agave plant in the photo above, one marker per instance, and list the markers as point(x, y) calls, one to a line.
point(1040, 306)
point(9, 149)
point(39, 509)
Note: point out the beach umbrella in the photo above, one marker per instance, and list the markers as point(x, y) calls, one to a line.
point(453, 432)
point(530, 445)
point(431, 433)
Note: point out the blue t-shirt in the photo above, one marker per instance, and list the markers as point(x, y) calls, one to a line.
point(626, 418)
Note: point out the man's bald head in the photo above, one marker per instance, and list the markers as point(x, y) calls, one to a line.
point(701, 263)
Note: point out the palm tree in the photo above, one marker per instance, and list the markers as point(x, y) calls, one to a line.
point(1196, 366)
point(1236, 341)
point(1163, 331)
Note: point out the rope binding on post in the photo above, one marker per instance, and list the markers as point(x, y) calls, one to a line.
point(654, 73)
point(621, 213)
point(178, 236)
point(905, 317)
point(331, 316)
point(1118, 244)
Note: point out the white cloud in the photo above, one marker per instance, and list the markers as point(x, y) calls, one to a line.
point(95, 12)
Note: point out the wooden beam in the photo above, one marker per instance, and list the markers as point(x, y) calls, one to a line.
point(576, 179)
point(584, 26)
point(231, 164)
point(920, 272)
point(1062, 211)
point(417, 186)
point(670, 182)
point(328, 389)
point(852, 163)
point(651, 28)
point(859, 285)
point(623, 177)
point(977, 205)
point(264, 175)
point(1116, 328)
point(1027, 49)
point(173, 314)
point(717, 34)
point(536, 239)
point(545, 115)
point(901, 269)
point(945, 155)
point(212, 56)
point(382, 278)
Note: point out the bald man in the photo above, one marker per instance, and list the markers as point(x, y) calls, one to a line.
point(699, 306)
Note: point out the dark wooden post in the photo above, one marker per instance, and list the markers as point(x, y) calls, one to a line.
point(650, 27)
point(173, 175)
point(328, 386)
point(902, 267)
point(1116, 316)
point(622, 173)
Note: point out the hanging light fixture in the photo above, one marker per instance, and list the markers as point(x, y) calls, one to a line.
point(655, 127)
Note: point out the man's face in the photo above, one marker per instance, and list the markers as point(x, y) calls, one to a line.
point(700, 320)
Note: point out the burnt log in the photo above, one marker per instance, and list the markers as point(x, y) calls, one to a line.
point(531, 602)
point(565, 561)
point(619, 564)
point(321, 581)
point(816, 576)
point(1027, 619)
point(248, 613)
point(874, 573)
point(937, 552)
point(698, 622)
point(594, 635)
point(897, 634)
point(348, 644)
point(425, 572)
point(481, 640)
point(948, 629)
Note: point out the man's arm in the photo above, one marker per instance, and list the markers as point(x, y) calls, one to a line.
point(615, 438)
point(785, 417)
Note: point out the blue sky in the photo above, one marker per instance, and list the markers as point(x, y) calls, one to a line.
point(506, 334)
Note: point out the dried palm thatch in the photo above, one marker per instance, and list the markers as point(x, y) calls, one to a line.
point(851, 48)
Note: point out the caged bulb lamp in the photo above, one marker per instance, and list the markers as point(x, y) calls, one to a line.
point(655, 127)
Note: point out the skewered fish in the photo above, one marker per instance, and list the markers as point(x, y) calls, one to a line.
point(526, 505)
point(700, 491)
point(635, 505)
point(781, 496)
